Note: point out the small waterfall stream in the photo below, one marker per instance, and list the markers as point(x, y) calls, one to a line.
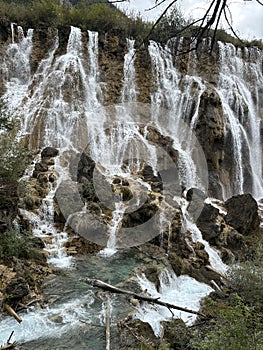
point(214, 258)
point(117, 217)
point(129, 88)
point(43, 226)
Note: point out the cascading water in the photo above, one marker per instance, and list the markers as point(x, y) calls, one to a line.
point(214, 258)
point(113, 227)
point(65, 97)
point(179, 103)
point(239, 82)
point(16, 69)
point(129, 89)
point(62, 100)
point(183, 291)
point(181, 97)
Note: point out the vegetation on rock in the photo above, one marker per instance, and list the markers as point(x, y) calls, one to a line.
point(20, 244)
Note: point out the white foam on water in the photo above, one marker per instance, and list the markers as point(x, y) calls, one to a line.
point(183, 291)
point(50, 322)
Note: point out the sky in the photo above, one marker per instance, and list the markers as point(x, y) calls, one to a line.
point(247, 16)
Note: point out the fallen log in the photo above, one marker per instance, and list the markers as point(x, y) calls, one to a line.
point(113, 289)
point(12, 312)
point(108, 316)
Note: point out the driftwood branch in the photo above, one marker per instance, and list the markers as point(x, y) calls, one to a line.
point(109, 288)
point(12, 312)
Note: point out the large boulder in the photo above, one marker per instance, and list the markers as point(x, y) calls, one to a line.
point(242, 213)
point(49, 152)
point(208, 222)
point(85, 167)
point(196, 199)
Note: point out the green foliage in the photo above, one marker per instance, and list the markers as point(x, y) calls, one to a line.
point(234, 327)
point(13, 160)
point(14, 157)
point(87, 15)
point(223, 36)
point(236, 321)
point(101, 16)
point(19, 244)
point(247, 281)
point(246, 278)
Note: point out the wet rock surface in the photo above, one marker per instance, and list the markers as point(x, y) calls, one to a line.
point(242, 213)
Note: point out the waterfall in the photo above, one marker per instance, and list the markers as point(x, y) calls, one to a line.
point(93, 93)
point(61, 105)
point(65, 96)
point(43, 226)
point(188, 225)
point(181, 97)
point(16, 68)
point(129, 89)
point(183, 291)
point(61, 99)
point(240, 79)
point(113, 227)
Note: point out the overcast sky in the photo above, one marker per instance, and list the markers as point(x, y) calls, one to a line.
point(247, 16)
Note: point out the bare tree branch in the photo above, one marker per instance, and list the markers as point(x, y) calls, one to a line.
point(231, 28)
point(109, 288)
point(215, 11)
point(151, 8)
point(161, 16)
point(217, 23)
